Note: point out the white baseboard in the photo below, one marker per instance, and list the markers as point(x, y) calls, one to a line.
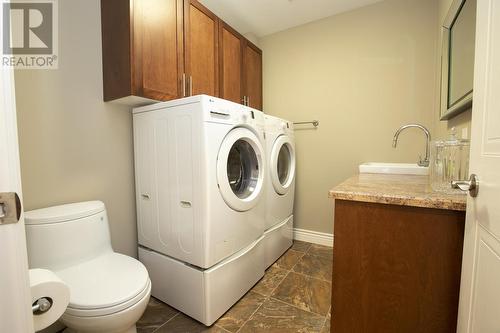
point(315, 237)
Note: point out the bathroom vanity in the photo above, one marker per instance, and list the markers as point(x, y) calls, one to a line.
point(397, 255)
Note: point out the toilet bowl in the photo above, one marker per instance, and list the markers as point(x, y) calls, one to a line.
point(109, 291)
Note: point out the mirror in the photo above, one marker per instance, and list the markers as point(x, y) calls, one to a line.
point(457, 66)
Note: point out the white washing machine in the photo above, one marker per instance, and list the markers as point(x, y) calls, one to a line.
point(199, 165)
point(280, 187)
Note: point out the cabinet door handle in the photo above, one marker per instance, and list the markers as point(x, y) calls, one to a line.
point(183, 84)
point(248, 101)
point(190, 85)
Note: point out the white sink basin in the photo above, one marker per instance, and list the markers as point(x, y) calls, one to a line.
point(393, 168)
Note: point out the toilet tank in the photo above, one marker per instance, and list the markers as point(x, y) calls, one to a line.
point(66, 235)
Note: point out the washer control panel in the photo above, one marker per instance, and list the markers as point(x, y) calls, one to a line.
point(222, 111)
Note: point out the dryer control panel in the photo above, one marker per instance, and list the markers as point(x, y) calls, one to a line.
point(277, 125)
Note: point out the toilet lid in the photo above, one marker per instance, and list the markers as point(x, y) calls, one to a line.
point(103, 283)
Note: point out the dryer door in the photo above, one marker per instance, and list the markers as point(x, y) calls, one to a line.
point(240, 172)
point(282, 164)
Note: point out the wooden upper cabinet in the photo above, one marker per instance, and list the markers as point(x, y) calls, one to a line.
point(231, 59)
point(157, 48)
point(143, 52)
point(116, 57)
point(201, 49)
point(252, 75)
point(241, 68)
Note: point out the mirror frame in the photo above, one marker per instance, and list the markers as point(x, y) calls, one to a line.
point(465, 102)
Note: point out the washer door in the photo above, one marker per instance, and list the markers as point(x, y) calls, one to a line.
point(240, 173)
point(282, 164)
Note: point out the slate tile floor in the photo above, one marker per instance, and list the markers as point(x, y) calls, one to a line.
point(293, 296)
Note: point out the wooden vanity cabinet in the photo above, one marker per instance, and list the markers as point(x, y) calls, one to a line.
point(395, 268)
point(158, 50)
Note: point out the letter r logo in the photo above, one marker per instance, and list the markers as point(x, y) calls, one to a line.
point(28, 28)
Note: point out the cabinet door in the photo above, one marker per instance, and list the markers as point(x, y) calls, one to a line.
point(201, 49)
point(387, 278)
point(252, 75)
point(158, 49)
point(231, 58)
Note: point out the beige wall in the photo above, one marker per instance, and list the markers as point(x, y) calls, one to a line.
point(73, 146)
point(362, 74)
point(462, 122)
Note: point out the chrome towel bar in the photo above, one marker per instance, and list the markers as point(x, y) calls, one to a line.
point(315, 123)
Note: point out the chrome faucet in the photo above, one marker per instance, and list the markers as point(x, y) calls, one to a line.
point(422, 163)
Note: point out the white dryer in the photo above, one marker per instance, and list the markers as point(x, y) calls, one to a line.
point(199, 165)
point(280, 187)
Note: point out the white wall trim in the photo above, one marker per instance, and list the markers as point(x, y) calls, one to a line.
point(315, 237)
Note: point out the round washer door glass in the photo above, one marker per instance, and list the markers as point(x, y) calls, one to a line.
point(282, 164)
point(242, 169)
point(239, 169)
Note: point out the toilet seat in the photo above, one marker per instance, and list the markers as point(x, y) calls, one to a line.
point(105, 285)
point(98, 312)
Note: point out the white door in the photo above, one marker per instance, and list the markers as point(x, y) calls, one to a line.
point(282, 164)
point(240, 169)
point(15, 304)
point(479, 310)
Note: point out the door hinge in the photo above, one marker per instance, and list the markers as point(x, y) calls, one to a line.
point(10, 208)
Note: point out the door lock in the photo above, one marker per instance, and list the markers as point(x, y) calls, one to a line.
point(10, 208)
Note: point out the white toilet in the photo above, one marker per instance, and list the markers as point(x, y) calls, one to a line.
point(108, 291)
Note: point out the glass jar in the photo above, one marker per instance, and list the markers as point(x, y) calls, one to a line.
point(449, 161)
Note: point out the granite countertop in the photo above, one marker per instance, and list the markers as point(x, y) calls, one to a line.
point(403, 190)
